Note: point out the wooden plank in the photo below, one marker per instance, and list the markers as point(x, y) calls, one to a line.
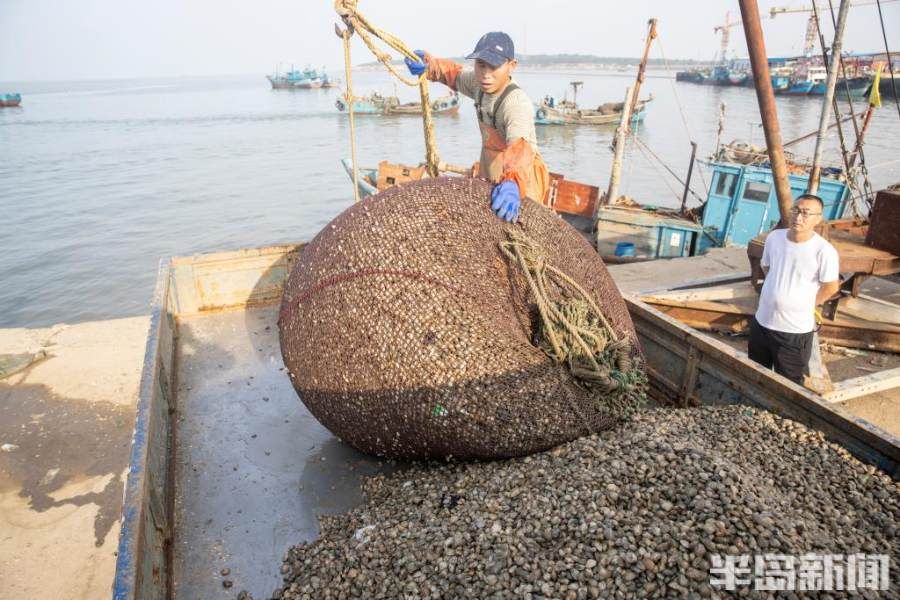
point(732, 317)
point(865, 385)
point(870, 309)
point(723, 292)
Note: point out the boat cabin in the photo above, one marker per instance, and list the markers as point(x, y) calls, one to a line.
point(741, 203)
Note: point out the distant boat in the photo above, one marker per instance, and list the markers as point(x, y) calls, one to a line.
point(692, 76)
point(737, 77)
point(859, 87)
point(10, 100)
point(445, 105)
point(376, 104)
point(295, 79)
point(720, 75)
point(373, 104)
point(567, 112)
point(799, 87)
point(780, 83)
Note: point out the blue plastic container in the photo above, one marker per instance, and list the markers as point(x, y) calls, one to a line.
point(624, 249)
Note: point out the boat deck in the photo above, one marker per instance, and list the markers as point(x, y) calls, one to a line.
point(242, 432)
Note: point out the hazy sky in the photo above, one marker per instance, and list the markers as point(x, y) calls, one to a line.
point(68, 39)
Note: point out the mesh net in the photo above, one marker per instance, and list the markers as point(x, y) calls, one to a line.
point(409, 334)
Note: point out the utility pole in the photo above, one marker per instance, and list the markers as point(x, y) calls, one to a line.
point(759, 63)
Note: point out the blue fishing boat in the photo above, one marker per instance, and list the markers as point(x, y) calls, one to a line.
point(799, 87)
point(780, 83)
point(740, 204)
point(859, 88)
point(10, 100)
point(373, 104)
point(718, 76)
point(308, 78)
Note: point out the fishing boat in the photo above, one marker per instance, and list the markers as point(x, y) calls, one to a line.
point(720, 75)
point(692, 76)
point(780, 83)
point(373, 104)
point(308, 78)
point(10, 100)
point(738, 77)
point(858, 86)
point(567, 112)
point(328, 82)
point(796, 87)
point(445, 105)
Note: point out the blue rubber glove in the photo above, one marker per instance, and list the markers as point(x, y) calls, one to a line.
point(505, 200)
point(416, 68)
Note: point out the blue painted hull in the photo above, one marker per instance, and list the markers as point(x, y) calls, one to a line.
point(780, 83)
point(859, 87)
point(798, 88)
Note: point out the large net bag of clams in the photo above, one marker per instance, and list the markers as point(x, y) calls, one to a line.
point(418, 325)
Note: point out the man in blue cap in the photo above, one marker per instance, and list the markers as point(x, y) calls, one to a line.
point(509, 153)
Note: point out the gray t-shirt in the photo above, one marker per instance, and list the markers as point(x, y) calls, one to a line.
point(516, 116)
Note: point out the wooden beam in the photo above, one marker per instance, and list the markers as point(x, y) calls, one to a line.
point(870, 309)
point(863, 386)
point(732, 317)
point(721, 292)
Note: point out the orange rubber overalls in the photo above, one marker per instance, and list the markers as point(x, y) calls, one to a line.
point(500, 161)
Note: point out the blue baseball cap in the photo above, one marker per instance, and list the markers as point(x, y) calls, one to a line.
point(494, 48)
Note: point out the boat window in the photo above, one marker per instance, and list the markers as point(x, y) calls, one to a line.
point(725, 184)
point(757, 191)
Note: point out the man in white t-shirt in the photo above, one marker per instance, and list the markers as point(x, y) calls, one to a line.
point(801, 270)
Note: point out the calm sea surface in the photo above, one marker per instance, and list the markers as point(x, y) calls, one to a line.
point(99, 180)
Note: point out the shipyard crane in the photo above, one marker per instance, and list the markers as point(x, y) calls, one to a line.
point(724, 30)
point(812, 29)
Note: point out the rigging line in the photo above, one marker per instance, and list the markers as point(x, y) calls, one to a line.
point(655, 167)
point(671, 172)
point(890, 63)
point(684, 120)
point(835, 106)
point(845, 154)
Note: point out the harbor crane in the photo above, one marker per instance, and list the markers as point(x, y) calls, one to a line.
point(812, 29)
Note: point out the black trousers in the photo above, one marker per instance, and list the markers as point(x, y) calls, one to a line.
point(788, 352)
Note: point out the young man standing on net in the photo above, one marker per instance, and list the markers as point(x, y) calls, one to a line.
point(801, 270)
point(509, 154)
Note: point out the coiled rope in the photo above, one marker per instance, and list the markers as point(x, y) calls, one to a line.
point(575, 331)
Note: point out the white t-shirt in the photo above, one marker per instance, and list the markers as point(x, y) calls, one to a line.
point(796, 271)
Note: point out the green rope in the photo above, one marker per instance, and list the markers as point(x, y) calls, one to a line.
point(575, 331)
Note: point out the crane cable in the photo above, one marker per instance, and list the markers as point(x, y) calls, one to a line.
point(357, 23)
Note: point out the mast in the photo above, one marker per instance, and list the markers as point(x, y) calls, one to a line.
point(612, 193)
point(651, 35)
point(765, 96)
point(833, 67)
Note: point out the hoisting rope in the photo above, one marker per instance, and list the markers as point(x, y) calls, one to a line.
point(345, 36)
point(357, 23)
point(575, 331)
point(684, 119)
